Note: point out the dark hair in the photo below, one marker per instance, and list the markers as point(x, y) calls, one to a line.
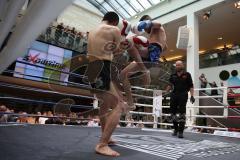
point(145, 17)
point(111, 17)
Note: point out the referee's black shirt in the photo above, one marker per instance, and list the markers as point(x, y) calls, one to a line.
point(182, 83)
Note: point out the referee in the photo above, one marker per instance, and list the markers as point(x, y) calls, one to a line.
point(182, 83)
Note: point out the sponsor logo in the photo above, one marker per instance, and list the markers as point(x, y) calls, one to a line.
point(35, 60)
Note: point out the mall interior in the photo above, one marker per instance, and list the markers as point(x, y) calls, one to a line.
point(47, 105)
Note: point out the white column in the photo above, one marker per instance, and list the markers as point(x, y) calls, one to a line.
point(193, 59)
point(9, 19)
point(37, 18)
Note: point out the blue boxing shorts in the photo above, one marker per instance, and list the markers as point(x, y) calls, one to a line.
point(154, 51)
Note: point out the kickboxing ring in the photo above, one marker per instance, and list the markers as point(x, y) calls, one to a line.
point(147, 144)
point(155, 97)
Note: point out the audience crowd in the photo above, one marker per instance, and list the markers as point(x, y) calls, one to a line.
point(65, 36)
point(47, 117)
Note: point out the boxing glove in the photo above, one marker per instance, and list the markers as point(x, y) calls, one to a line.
point(140, 42)
point(124, 27)
point(140, 26)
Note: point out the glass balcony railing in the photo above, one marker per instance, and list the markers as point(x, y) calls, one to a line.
point(64, 39)
point(220, 58)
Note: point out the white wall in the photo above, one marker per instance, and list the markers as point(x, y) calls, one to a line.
point(212, 74)
point(80, 18)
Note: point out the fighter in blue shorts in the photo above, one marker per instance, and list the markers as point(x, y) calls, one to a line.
point(149, 42)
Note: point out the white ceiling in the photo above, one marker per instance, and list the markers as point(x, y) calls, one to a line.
point(224, 22)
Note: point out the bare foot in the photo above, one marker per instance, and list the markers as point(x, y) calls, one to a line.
point(112, 142)
point(104, 149)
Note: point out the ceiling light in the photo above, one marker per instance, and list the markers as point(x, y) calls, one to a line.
point(174, 58)
point(207, 15)
point(220, 38)
point(202, 51)
point(237, 4)
point(135, 17)
point(222, 47)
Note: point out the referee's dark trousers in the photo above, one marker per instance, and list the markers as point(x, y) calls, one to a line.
point(178, 103)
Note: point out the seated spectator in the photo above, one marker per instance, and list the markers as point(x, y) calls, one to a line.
point(22, 119)
point(140, 124)
point(49, 120)
point(93, 123)
point(37, 118)
point(12, 118)
point(42, 120)
point(211, 131)
point(130, 124)
point(3, 117)
point(31, 120)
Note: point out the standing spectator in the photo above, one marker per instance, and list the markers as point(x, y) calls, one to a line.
point(71, 38)
point(222, 84)
point(222, 55)
point(214, 91)
point(65, 35)
point(77, 41)
point(86, 36)
point(48, 33)
point(182, 83)
point(58, 32)
point(203, 81)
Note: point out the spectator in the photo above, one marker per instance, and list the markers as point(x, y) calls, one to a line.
point(71, 38)
point(12, 118)
point(77, 41)
point(203, 81)
point(92, 123)
point(49, 120)
point(210, 130)
point(231, 100)
point(86, 36)
point(37, 118)
point(65, 35)
point(222, 84)
point(222, 56)
point(48, 33)
point(58, 32)
point(130, 123)
point(49, 114)
point(82, 121)
point(22, 119)
point(42, 120)
point(214, 91)
point(3, 117)
point(140, 124)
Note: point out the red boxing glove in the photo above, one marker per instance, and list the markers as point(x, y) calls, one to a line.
point(124, 27)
